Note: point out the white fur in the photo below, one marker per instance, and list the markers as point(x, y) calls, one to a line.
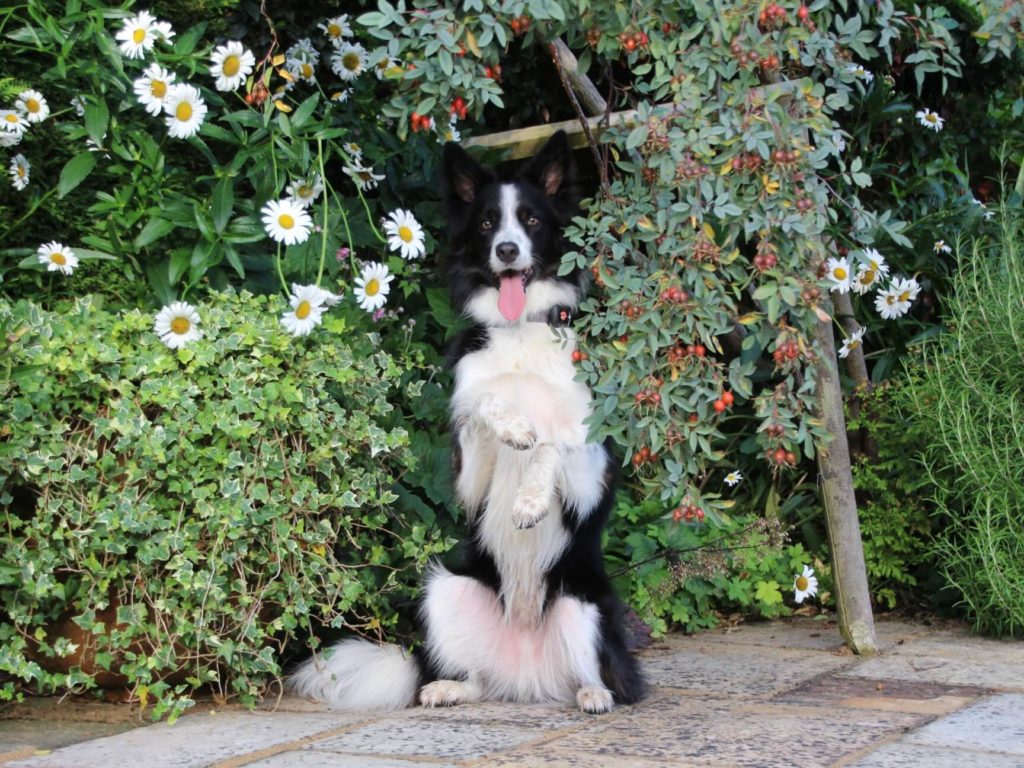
point(356, 674)
point(470, 639)
point(510, 230)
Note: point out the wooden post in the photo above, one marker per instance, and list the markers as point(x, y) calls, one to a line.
point(853, 599)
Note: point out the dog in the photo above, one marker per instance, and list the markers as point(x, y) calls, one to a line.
point(529, 614)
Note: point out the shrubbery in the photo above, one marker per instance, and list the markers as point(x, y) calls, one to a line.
point(190, 509)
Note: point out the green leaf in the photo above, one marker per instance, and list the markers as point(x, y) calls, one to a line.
point(74, 172)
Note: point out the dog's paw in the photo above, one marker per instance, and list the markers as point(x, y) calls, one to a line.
point(515, 431)
point(441, 693)
point(529, 508)
point(594, 699)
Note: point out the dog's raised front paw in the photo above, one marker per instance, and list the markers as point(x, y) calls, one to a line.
point(594, 699)
point(529, 508)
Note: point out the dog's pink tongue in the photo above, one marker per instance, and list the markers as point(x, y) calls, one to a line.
point(511, 297)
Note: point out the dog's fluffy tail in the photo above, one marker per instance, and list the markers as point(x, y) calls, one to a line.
point(356, 674)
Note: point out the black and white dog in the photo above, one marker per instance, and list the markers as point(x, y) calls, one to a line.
point(529, 615)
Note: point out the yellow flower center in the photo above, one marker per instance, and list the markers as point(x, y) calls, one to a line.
point(138, 36)
point(302, 311)
point(801, 583)
point(351, 61)
point(183, 112)
point(231, 66)
point(180, 325)
point(405, 233)
point(285, 221)
point(58, 258)
point(158, 88)
point(33, 106)
point(372, 288)
point(839, 273)
point(334, 30)
point(306, 69)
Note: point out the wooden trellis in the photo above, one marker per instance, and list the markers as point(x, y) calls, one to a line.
point(856, 621)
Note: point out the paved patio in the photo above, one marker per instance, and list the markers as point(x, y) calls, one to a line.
point(784, 693)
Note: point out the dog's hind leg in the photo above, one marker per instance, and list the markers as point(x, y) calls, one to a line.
point(533, 500)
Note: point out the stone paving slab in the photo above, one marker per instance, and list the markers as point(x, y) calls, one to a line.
point(194, 740)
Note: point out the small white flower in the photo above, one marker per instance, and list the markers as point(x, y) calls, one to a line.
point(839, 274)
point(405, 234)
point(231, 63)
point(733, 478)
point(349, 61)
point(305, 191)
point(78, 104)
point(151, 89)
point(805, 585)
point(33, 106)
point(307, 310)
point(13, 122)
point(372, 286)
point(177, 325)
point(303, 50)
point(895, 301)
point(929, 119)
point(19, 170)
point(185, 110)
point(383, 63)
point(137, 36)
point(851, 342)
point(57, 257)
point(363, 176)
point(860, 72)
point(286, 221)
point(941, 247)
point(336, 29)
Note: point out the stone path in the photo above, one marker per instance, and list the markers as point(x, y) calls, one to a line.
point(771, 694)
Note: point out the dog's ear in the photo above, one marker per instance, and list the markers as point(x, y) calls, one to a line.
point(552, 168)
point(463, 176)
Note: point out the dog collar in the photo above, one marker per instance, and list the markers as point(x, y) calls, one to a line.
point(559, 316)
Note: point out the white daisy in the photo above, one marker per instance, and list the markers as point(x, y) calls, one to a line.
point(137, 35)
point(19, 170)
point(805, 585)
point(78, 104)
point(929, 119)
point(363, 176)
point(405, 234)
point(162, 31)
point(286, 221)
point(305, 191)
point(57, 257)
point(231, 63)
point(303, 50)
point(860, 72)
point(12, 121)
point(33, 105)
point(151, 89)
point(839, 274)
point(383, 63)
point(733, 478)
point(895, 301)
point(372, 286)
point(851, 342)
point(185, 110)
point(177, 325)
point(941, 247)
point(349, 61)
point(307, 310)
point(336, 29)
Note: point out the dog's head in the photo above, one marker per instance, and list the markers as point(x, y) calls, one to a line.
point(506, 236)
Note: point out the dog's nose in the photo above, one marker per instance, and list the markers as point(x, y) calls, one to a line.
point(507, 252)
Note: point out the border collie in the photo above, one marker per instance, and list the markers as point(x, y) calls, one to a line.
point(529, 614)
